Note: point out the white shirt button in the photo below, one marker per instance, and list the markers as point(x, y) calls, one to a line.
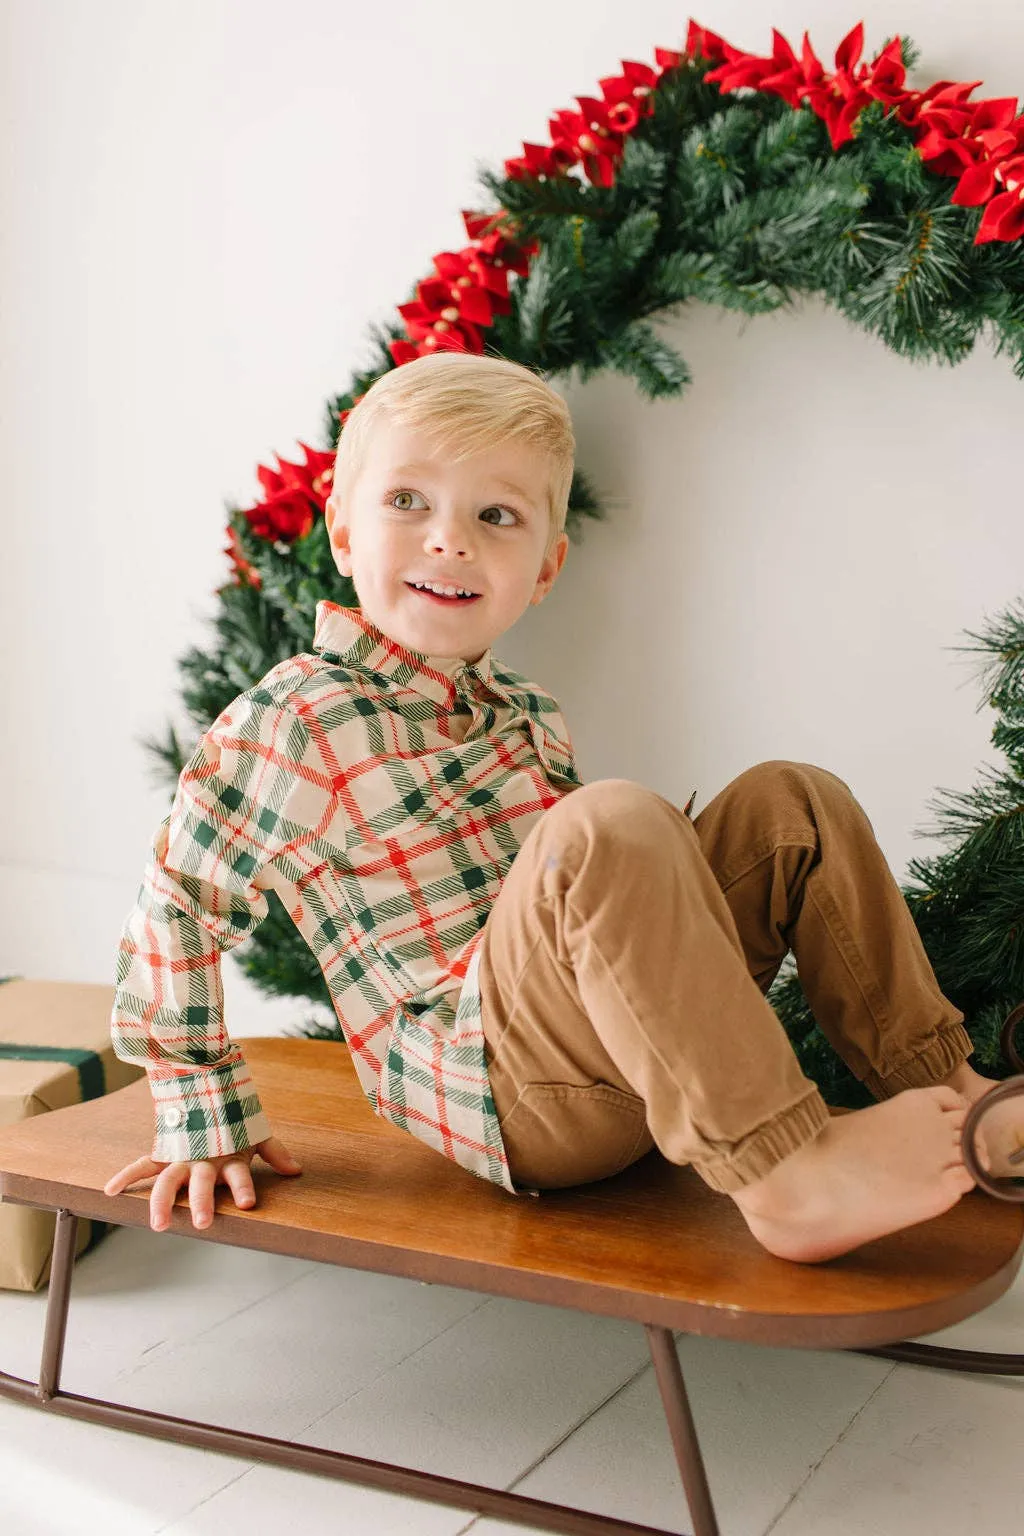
point(174, 1117)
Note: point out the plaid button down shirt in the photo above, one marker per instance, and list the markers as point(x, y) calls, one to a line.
point(383, 795)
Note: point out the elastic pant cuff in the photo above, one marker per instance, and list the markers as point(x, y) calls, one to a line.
point(758, 1153)
point(943, 1055)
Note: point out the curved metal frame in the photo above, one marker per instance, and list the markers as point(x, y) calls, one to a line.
point(297, 1455)
point(937, 1356)
point(1010, 1088)
point(482, 1500)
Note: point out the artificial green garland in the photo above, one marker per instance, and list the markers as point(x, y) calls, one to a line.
point(740, 200)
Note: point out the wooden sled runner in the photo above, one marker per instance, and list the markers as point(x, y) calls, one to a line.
point(653, 1245)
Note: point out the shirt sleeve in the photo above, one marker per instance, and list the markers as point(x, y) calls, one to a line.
point(254, 788)
point(554, 743)
point(570, 771)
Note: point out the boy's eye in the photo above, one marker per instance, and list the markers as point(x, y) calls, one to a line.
point(405, 506)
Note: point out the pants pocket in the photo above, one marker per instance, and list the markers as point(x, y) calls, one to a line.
point(560, 1134)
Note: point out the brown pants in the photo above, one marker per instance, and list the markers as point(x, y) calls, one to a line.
point(625, 961)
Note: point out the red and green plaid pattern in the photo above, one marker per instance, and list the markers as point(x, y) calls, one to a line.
point(383, 796)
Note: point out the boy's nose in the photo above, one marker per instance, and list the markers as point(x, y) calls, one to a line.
point(455, 541)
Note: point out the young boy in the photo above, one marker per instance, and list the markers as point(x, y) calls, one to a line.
point(540, 979)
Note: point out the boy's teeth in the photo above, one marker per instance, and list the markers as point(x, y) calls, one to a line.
point(426, 586)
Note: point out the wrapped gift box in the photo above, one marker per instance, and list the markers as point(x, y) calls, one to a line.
point(55, 1049)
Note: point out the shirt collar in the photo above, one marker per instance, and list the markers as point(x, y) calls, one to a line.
point(346, 634)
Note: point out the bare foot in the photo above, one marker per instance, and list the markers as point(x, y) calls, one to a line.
point(1001, 1132)
point(865, 1174)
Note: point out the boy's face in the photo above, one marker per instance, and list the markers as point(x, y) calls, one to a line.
point(482, 525)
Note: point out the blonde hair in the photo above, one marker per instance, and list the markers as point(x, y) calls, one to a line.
point(468, 403)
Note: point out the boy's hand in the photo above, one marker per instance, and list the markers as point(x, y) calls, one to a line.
point(201, 1176)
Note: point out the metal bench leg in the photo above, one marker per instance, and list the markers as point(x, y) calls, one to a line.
point(62, 1267)
point(538, 1514)
point(682, 1430)
point(940, 1357)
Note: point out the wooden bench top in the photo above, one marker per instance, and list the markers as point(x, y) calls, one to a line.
point(653, 1244)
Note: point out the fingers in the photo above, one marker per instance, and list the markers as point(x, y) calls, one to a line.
point(201, 1176)
point(142, 1168)
point(200, 1193)
point(274, 1152)
point(164, 1193)
point(239, 1179)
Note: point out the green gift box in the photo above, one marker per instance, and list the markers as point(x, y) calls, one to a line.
point(55, 1050)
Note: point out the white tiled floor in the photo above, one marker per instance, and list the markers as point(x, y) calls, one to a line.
point(557, 1405)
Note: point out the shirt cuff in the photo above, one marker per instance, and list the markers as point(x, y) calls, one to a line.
point(207, 1113)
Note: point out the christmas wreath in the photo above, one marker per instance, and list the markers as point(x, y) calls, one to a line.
point(742, 181)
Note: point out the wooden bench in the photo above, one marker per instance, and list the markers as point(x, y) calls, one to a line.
point(653, 1244)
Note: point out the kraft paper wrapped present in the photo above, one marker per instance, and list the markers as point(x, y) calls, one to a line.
point(55, 1050)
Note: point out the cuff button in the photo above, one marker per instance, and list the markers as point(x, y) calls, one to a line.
point(174, 1118)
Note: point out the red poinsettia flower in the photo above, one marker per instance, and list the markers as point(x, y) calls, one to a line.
point(588, 140)
point(960, 134)
point(699, 40)
point(886, 81)
point(282, 518)
point(477, 287)
point(850, 49)
point(747, 70)
point(541, 160)
point(628, 97)
point(1003, 218)
point(599, 122)
point(594, 136)
point(838, 99)
point(498, 245)
point(666, 59)
point(470, 289)
point(433, 312)
point(795, 79)
point(886, 77)
point(245, 573)
point(434, 341)
point(295, 494)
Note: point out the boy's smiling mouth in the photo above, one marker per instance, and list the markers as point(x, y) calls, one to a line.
point(445, 594)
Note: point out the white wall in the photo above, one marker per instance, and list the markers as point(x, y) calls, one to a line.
point(206, 203)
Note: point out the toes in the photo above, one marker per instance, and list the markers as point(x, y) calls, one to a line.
point(955, 1177)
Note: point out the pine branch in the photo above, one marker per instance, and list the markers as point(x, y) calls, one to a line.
point(541, 317)
point(1002, 671)
point(168, 755)
point(641, 354)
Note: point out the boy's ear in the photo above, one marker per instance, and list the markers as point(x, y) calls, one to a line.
point(333, 519)
point(550, 568)
point(337, 534)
